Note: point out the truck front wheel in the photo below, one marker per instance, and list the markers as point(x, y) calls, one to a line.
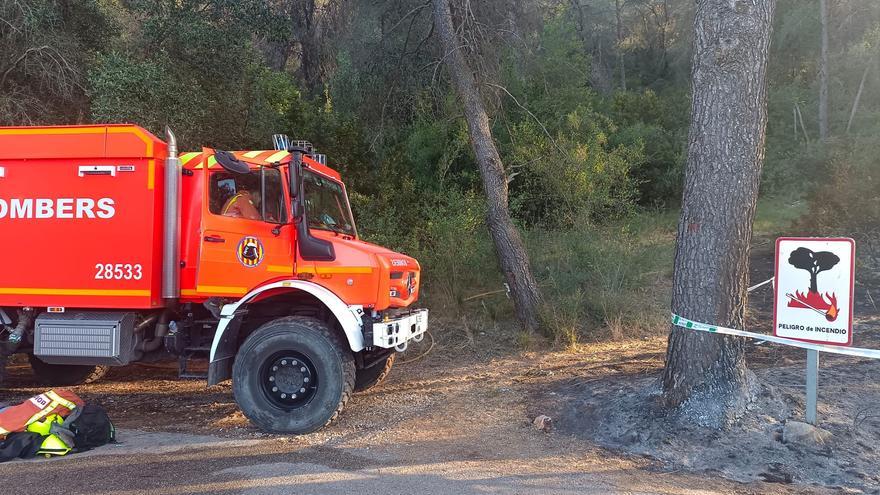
point(66, 374)
point(293, 375)
point(368, 378)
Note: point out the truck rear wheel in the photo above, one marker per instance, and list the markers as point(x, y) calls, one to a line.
point(368, 378)
point(66, 374)
point(293, 375)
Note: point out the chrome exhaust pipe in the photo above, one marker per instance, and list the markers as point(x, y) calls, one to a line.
point(171, 223)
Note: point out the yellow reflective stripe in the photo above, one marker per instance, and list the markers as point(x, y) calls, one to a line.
point(274, 157)
point(212, 160)
point(345, 269)
point(82, 130)
point(279, 268)
point(187, 157)
point(43, 412)
point(220, 288)
point(33, 291)
point(137, 132)
point(252, 154)
point(51, 130)
point(3, 432)
point(58, 451)
point(151, 174)
point(213, 289)
point(335, 269)
point(61, 400)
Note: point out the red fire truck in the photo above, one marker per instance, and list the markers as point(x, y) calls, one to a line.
point(118, 248)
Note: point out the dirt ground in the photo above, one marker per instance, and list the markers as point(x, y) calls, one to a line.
point(473, 411)
point(469, 404)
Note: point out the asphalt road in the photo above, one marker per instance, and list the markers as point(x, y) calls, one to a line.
point(165, 464)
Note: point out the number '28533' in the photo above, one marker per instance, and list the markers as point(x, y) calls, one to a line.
point(119, 271)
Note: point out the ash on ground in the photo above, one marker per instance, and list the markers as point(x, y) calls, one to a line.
point(767, 442)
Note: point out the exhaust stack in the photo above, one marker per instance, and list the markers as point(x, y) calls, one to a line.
point(171, 222)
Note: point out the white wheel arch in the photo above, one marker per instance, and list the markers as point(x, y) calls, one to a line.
point(349, 317)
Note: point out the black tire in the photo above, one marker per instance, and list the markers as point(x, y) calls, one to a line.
point(293, 375)
point(368, 378)
point(66, 374)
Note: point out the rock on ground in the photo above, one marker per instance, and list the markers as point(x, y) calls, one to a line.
point(796, 432)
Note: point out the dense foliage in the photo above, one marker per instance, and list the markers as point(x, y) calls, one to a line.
point(589, 103)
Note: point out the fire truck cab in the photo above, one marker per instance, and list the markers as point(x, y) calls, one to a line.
point(122, 250)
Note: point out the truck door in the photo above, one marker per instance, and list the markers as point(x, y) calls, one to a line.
point(351, 276)
point(246, 234)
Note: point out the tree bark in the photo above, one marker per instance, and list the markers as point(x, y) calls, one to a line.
point(823, 72)
point(618, 11)
point(724, 160)
point(509, 247)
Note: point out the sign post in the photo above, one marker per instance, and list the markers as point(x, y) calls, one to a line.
point(813, 299)
point(812, 386)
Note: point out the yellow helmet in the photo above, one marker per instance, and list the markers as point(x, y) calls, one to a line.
point(44, 426)
point(53, 445)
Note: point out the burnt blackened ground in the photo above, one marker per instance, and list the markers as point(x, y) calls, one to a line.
point(623, 413)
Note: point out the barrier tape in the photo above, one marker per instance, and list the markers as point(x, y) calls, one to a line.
point(758, 286)
point(683, 322)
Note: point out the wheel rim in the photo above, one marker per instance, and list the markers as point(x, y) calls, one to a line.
point(289, 379)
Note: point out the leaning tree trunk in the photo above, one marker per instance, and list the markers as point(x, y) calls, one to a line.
point(725, 155)
point(508, 244)
point(855, 105)
point(823, 72)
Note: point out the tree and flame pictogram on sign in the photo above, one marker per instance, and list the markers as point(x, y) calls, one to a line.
point(814, 286)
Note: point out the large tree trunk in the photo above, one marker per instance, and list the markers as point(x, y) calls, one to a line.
point(823, 73)
point(306, 30)
point(508, 244)
point(725, 155)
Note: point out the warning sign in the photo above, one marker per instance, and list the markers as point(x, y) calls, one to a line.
point(814, 289)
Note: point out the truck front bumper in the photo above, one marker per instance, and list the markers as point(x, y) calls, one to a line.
point(397, 332)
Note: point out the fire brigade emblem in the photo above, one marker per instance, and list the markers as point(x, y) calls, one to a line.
point(250, 251)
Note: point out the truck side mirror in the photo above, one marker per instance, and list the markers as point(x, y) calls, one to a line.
point(310, 248)
point(230, 163)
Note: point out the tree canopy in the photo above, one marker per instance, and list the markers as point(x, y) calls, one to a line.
point(587, 100)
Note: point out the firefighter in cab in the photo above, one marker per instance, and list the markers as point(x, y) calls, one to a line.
point(244, 204)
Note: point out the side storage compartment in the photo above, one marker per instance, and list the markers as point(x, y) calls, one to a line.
point(81, 213)
point(86, 338)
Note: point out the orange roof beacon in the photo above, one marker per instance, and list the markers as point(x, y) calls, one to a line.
point(118, 249)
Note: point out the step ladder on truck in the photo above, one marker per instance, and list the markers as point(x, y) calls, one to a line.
point(119, 249)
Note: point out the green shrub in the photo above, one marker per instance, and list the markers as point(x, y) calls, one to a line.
point(610, 281)
point(845, 201)
point(577, 178)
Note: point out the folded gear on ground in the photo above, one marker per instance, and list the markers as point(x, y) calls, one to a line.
point(54, 423)
point(59, 402)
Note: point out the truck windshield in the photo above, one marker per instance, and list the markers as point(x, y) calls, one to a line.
point(326, 204)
